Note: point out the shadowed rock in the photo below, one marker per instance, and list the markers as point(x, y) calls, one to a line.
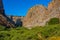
point(4, 20)
point(19, 22)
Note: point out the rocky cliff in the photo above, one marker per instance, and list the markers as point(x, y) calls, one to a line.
point(17, 19)
point(39, 15)
point(35, 16)
point(54, 9)
point(4, 20)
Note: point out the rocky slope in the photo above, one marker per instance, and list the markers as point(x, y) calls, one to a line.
point(35, 17)
point(54, 9)
point(39, 15)
point(17, 19)
point(4, 20)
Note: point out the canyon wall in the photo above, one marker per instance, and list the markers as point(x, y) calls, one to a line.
point(39, 15)
point(36, 16)
point(4, 20)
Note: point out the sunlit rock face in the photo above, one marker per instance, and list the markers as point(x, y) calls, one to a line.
point(4, 20)
point(54, 9)
point(39, 15)
point(35, 16)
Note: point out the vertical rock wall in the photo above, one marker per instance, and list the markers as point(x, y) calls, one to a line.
point(4, 20)
point(39, 15)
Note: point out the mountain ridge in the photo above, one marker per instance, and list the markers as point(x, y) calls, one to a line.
point(36, 16)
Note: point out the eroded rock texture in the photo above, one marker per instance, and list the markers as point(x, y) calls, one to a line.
point(39, 15)
point(54, 9)
point(36, 16)
point(4, 20)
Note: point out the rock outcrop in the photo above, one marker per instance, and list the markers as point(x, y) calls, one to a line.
point(17, 19)
point(36, 16)
point(39, 15)
point(54, 9)
point(4, 20)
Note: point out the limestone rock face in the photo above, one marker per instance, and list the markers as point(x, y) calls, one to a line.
point(39, 15)
point(36, 16)
point(4, 20)
point(54, 9)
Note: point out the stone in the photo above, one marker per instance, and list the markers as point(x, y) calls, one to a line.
point(4, 20)
point(39, 15)
point(35, 16)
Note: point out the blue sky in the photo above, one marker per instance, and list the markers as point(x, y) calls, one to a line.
point(21, 7)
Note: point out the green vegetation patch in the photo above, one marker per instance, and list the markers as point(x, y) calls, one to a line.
point(37, 33)
point(54, 21)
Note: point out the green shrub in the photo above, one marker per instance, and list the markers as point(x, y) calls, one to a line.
point(2, 28)
point(37, 33)
point(54, 21)
point(4, 35)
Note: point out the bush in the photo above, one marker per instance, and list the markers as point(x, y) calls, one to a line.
point(54, 21)
point(38, 33)
point(4, 35)
point(2, 28)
